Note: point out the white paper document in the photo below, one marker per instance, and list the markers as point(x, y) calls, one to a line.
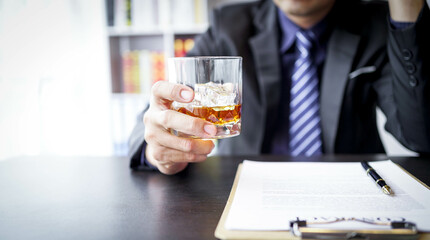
point(271, 194)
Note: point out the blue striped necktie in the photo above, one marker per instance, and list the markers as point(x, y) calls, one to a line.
point(305, 130)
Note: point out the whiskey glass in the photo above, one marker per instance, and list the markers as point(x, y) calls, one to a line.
point(217, 85)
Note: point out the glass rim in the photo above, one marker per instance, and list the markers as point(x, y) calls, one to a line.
point(205, 57)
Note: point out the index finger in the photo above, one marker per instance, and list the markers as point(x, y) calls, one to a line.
point(165, 90)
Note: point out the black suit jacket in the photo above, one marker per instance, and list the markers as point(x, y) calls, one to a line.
point(368, 64)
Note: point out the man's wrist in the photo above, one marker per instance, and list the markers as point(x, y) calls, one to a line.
point(405, 10)
point(144, 161)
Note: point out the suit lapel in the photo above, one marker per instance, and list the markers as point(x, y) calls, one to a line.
point(342, 47)
point(265, 49)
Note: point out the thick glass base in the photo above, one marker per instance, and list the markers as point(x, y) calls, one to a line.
point(223, 131)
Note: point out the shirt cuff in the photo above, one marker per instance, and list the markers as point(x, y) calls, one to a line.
point(400, 25)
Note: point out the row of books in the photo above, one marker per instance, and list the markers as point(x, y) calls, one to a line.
point(148, 14)
point(182, 45)
point(140, 69)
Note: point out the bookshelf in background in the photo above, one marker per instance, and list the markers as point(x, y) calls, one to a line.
point(142, 35)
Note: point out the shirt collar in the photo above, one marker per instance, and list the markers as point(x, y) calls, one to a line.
point(289, 30)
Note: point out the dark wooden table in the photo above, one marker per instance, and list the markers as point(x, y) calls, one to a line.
point(101, 198)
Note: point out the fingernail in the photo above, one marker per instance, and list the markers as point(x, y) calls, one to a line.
point(210, 129)
point(186, 95)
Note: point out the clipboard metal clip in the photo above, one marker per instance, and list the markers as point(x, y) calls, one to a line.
point(397, 230)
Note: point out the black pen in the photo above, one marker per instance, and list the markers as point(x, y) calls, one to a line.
point(378, 180)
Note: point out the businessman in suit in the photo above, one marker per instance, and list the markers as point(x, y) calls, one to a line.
point(313, 73)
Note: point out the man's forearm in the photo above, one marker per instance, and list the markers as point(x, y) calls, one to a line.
point(405, 10)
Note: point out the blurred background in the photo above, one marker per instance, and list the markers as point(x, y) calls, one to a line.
point(74, 74)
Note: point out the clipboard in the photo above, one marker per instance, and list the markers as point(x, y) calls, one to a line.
point(406, 231)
